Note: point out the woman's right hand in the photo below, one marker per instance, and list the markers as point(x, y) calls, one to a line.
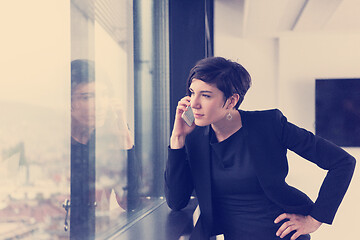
point(181, 129)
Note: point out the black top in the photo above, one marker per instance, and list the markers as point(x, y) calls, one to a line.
point(82, 217)
point(241, 208)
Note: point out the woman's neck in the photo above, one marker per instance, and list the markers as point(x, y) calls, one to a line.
point(81, 134)
point(225, 128)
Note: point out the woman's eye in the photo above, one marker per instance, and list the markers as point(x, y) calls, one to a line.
point(206, 96)
point(87, 97)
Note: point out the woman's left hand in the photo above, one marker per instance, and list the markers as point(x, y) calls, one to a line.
point(299, 223)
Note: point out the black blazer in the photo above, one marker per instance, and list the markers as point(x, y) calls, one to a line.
point(269, 136)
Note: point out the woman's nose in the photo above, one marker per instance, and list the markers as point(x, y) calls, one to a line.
point(195, 102)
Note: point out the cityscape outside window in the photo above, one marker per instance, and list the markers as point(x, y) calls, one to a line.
point(74, 158)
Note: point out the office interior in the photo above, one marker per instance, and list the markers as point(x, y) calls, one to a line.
point(140, 52)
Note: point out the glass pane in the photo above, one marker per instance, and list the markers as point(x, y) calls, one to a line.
point(35, 119)
point(68, 130)
point(105, 171)
point(118, 171)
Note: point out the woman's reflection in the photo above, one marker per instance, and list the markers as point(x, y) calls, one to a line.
point(104, 172)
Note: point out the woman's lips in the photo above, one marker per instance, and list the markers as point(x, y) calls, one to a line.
point(197, 115)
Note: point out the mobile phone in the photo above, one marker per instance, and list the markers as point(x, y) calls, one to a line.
point(188, 116)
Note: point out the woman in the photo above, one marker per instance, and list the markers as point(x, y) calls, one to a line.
point(236, 162)
point(102, 154)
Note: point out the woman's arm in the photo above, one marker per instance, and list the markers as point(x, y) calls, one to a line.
point(326, 155)
point(178, 179)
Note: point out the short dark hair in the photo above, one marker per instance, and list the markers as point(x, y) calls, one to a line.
point(82, 71)
point(229, 77)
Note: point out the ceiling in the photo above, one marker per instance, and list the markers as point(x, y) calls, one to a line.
point(268, 18)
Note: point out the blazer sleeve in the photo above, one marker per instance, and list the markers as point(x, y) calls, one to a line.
point(326, 155)
point(178, 179)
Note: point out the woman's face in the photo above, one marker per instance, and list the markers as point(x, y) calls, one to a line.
point(84, 109)
point(207, 102)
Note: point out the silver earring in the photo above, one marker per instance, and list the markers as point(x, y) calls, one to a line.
point(229, 116)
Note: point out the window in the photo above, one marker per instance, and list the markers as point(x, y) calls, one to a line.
point(85, 92)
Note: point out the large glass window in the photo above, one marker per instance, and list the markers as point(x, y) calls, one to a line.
point(84, 97)
point(35, 119)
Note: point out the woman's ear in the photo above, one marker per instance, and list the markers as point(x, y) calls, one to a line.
point(232, 101)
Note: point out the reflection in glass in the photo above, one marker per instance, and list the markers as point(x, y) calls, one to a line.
point(51, 121)
point(105, 172)
point(82, 217)
point(103, 187)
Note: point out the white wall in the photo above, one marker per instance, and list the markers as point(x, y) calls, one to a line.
point(259, 57)
point(305, 57)
point(302, 59)
point(284, 72)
